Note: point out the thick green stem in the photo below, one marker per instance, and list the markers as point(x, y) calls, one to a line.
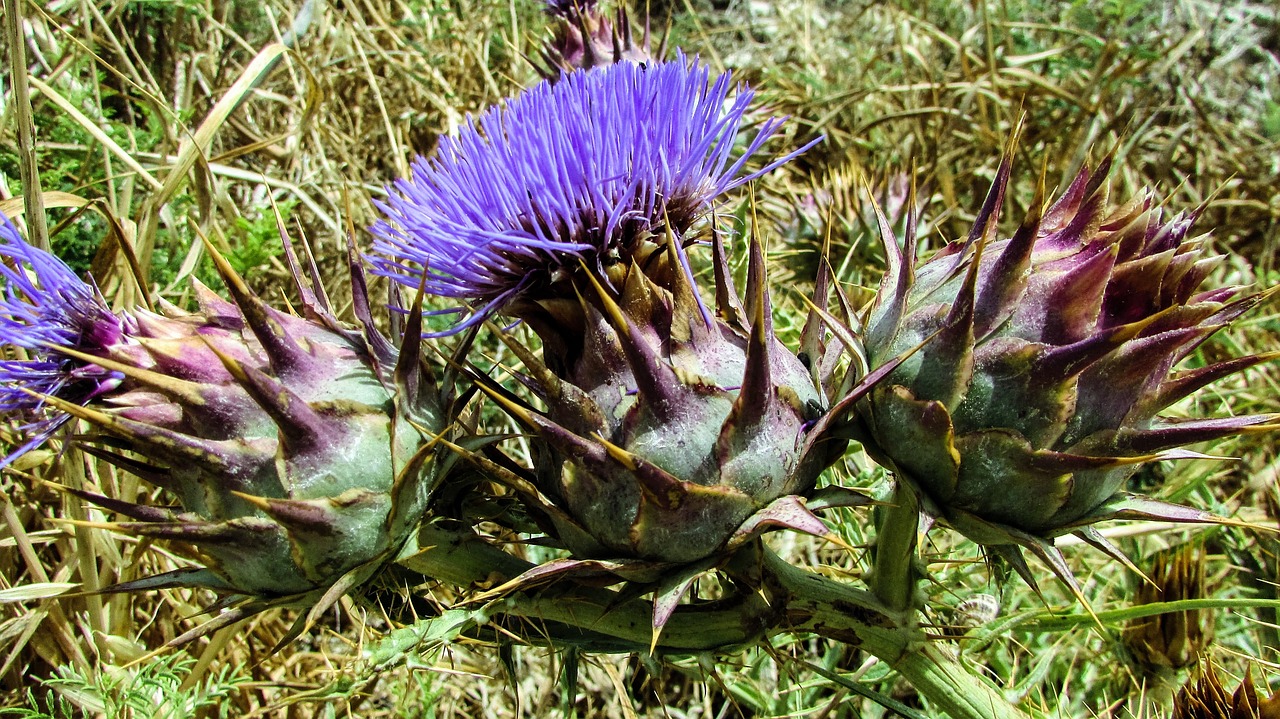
point(596, 620)
point(837, 611)
point(893, 575)
point(790, 600)
point(953, 688)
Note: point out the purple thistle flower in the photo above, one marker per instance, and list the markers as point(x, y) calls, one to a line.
point(567, 173)
point(45, 306)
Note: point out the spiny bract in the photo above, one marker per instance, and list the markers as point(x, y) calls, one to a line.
point(584, 37)
point(1044, 363)
point(672, 430)
point(299, 450)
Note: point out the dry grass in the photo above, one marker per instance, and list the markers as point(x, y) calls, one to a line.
point(159, 122)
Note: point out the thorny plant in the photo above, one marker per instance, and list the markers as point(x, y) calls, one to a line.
point(600, 477)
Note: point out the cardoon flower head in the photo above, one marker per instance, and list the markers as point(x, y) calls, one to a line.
point(299, 449)
point(1044, 364)
point(580, 172)
point(672, 436)
point(583, 37)
point(45, 307)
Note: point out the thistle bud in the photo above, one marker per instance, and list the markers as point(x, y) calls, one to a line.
point(1177, 639)
point(299, 449)
point(1043, 364)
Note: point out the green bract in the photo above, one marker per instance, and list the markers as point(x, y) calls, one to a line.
point(301, 451)
point(671, 429)
point(1044, 363)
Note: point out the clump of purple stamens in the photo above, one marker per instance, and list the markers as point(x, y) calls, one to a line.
point(45, 306)
point(567, 173)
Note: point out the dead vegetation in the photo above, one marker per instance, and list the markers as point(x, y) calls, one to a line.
point(159, 122)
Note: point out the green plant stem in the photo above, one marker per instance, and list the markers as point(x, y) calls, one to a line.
point(838, 611)
point(1050, 622)
point(790, 600)
point(593, 618)
point(893, 575)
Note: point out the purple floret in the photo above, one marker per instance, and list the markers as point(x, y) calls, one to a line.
point(565, 174)
point(45, 304)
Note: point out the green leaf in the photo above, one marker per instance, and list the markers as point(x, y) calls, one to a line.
point(425, 633)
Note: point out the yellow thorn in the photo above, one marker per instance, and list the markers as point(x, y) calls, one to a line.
point(498, 473)
point(52, 485)
point(611, 308)
point(509, 405)
point(837, 540)
point(229, 363)
point(89, 524)
point(181, 388)
point(73, 409)
point(531, 362)
point(259, 502)
point(622, 456)
point(846, 338)
point(1079, 595)
point(235, 283)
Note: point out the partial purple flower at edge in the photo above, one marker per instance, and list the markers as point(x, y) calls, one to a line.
point(45, 304)
point(566, 173)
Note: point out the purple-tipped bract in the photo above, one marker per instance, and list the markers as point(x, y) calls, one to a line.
point(1044, 364)
point(46, 306)
point(300, 450)
point(566, 173)
point(584, 36)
